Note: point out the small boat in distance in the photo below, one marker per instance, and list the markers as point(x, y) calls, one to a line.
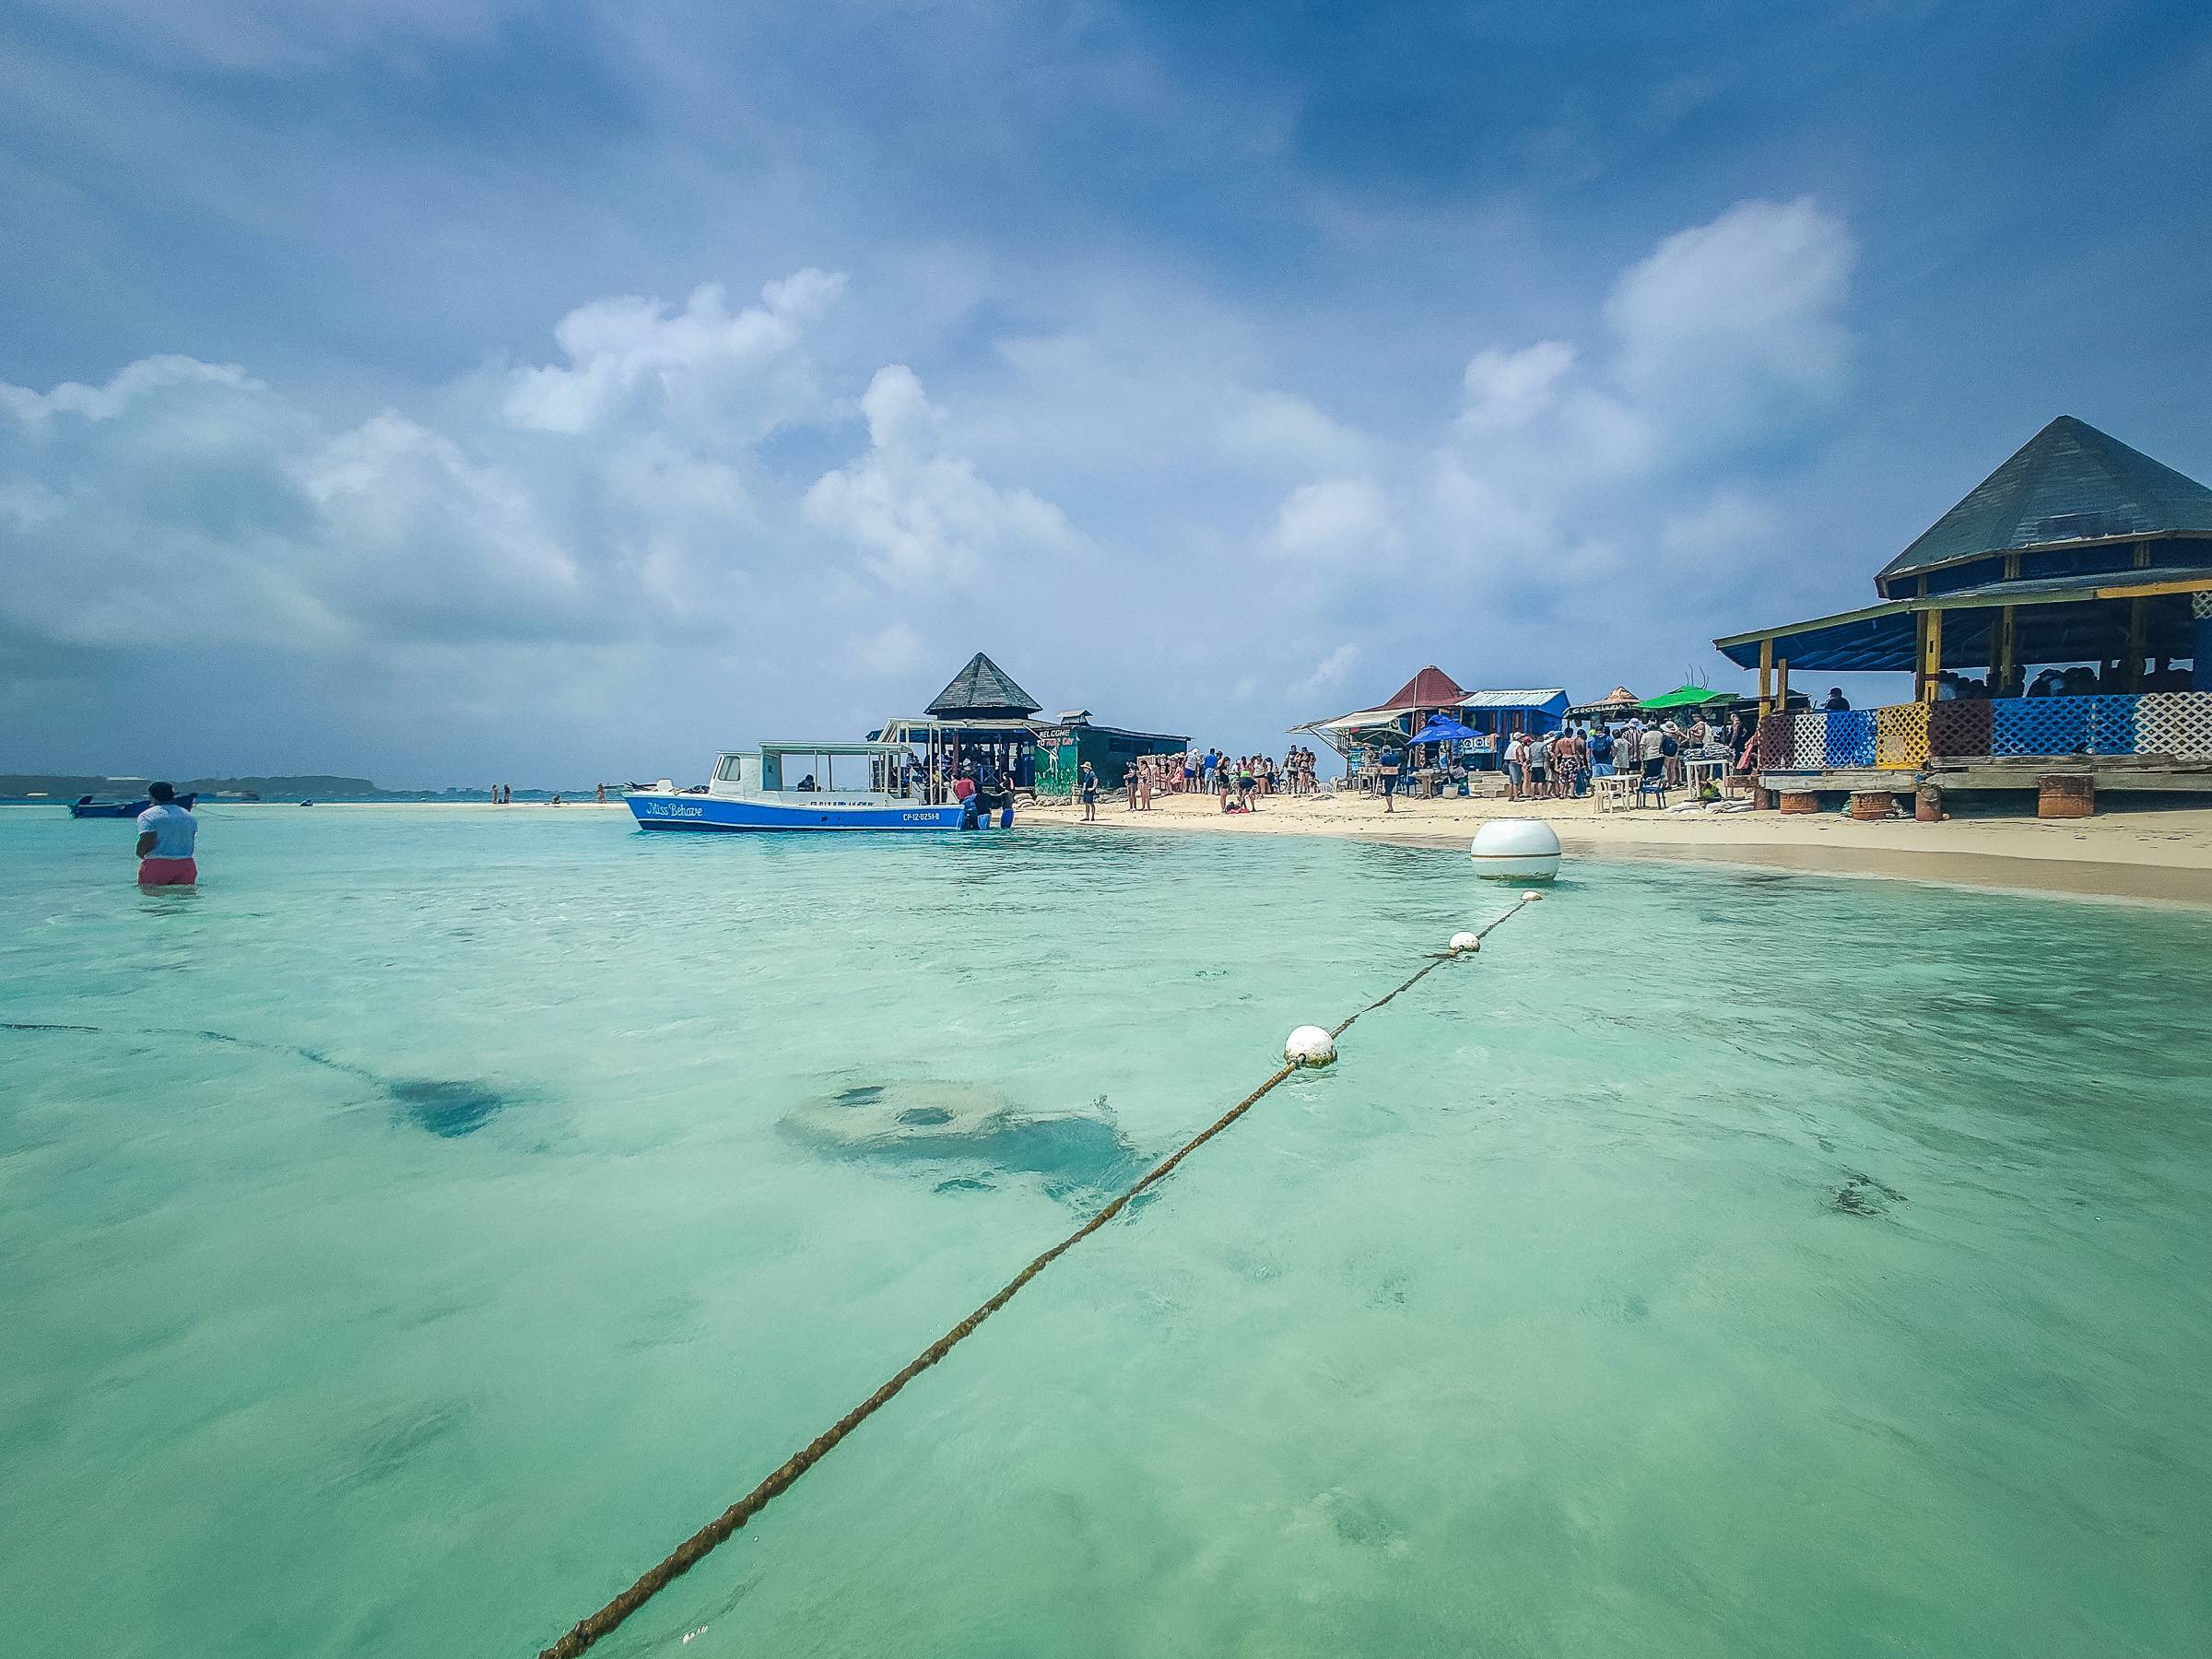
point(85, 806)
point(801, 785)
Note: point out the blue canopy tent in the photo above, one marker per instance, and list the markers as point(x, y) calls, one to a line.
point(1445, 734)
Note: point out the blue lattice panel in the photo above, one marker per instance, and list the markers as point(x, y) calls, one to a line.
point(2174, 723)
point(1808, 741)
point(1850, 737)
point(2040, 726)
point(1961, 730)
point(2112, 724)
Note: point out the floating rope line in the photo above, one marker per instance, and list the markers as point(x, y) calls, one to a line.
point(695, 1549)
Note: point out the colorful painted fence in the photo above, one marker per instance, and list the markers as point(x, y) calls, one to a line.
point(1906, 736)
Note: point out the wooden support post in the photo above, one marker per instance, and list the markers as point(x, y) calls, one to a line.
point(2138, 635)
point(1766, 677)
point(1930, 625)
point(1782, 686)
point(2001, 667)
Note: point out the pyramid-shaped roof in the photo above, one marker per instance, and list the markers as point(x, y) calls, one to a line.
point(1431, 688)
point(2070, 482)
point(983, 688)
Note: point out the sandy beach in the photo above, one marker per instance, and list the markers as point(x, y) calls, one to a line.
point(2162, 854)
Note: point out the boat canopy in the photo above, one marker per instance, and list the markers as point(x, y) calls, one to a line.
point(808, 745)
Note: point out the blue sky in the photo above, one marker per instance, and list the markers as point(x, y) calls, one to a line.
point(446, 390)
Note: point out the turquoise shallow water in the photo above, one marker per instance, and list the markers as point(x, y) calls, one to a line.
point(451, 1211)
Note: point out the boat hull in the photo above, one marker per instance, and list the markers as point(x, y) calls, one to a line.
point(122, 809)
point(710, 813)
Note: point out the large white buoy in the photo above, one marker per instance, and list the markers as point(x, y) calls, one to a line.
point(1310, 1045)
point(1463, 942)
point(1516, 849)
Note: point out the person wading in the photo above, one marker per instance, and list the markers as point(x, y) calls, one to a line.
point(166, 834)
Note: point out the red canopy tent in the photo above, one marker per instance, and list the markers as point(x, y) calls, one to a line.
point(1432, 691)
point(1431, 688)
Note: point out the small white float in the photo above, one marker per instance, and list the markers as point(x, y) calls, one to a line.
point(1516, 849)
point(1310, 1045)
point(1465, 942)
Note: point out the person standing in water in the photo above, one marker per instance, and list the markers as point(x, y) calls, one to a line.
point(165, 835)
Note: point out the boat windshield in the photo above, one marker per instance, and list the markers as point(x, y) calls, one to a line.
point(808, 771)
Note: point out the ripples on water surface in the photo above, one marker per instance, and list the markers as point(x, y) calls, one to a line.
point(451, 1211)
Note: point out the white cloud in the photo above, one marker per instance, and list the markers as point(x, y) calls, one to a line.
point(1562, 468)
point(1334, 521)
point(618, 497)
point(420, 542)
point(703, 368)
point(1736, 324)
point(1332, 671)
point(130, 385)
point(1277, 426)
point(674, 520)
point(1508, 390)
point(918, 511)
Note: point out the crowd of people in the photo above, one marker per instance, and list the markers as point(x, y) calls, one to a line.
point(1536, 766)
point(1559, 765)
point(1238, 782)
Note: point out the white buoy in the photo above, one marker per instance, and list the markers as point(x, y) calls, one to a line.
point(1516, 849)
point(1465, 942)
point(1531, 896)
point(1310, 1045)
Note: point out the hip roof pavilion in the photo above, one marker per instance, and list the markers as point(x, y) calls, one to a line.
point(2077, 549)
point(982, 691)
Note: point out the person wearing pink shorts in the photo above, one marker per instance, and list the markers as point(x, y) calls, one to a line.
point(166, 834)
